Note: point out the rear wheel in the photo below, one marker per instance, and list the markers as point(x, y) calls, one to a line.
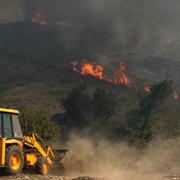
point(14, 160)
point(42, 166)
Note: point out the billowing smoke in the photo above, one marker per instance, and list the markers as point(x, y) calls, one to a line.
point(129, 28)
point(101, 26)
point(139, 32)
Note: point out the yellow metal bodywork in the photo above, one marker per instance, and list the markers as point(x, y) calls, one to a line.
point(15, 161)
point(2, 151)
point(30, 159)
point(3, 144)
point(35, 149)
point(44, 169)
point(14, 141)
point(31, 141)
point(9, 110)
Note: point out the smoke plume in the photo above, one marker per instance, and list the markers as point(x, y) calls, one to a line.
point(103, 26)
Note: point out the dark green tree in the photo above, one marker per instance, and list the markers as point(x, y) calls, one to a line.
point(103, 105)
point(77, 106)
point(139, 122)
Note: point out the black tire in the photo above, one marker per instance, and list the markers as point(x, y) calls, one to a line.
point(14, 151)
point(40, 166)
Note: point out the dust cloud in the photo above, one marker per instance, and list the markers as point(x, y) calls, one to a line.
point(117, 161)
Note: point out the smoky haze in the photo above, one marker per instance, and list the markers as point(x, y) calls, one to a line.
point(107, 29)
point(144, 27)
point(12, 10)
point(129, 15)
point(136, 31)
point(104, 30)
point(111, 24)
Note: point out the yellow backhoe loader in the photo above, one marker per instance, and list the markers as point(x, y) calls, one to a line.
point(18, 152)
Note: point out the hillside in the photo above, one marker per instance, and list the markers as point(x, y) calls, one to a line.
point(36, 71)
point(98, 78)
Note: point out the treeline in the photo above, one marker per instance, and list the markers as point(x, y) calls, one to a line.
point(94, 113)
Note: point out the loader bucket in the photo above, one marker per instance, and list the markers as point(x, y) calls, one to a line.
point(60, 154)
point(58, 167)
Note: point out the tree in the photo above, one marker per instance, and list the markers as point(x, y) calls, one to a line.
point(77, 106)
point(139, 120)
point(103, 105)
point(40, 123)
point(83, 110)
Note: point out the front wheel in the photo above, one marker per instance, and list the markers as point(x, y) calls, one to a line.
point(42, 166)
point(14, 160)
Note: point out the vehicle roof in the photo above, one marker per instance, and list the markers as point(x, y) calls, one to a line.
point(13, 111)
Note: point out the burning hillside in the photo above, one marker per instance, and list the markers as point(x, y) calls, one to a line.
point(174, 95)
point(97, 70)
point(40, 18)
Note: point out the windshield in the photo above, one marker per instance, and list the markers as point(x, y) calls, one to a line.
point(16, 126)
point(7, 125)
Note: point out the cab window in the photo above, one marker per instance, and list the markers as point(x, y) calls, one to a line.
point(16, 126)
point(7, 126)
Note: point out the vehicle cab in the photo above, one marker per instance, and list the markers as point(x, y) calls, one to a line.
point(9, 124)
point(10, 131)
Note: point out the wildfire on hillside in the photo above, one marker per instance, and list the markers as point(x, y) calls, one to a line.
point(39, 18)
point(175, 95)
point(123, 78)
point(147, 88)
point(96, 70)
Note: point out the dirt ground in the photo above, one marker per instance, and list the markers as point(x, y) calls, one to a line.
point(38, 177)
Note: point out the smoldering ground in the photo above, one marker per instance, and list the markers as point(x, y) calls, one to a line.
point(103, 158)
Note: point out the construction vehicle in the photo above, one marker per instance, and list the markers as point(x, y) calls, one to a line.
point(18, 151)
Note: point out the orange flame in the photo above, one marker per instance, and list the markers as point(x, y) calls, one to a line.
point(123, 78)
point(175, 95)
point(91, 69)
point(147, 88)
point(39, 18)
point(74, 65)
